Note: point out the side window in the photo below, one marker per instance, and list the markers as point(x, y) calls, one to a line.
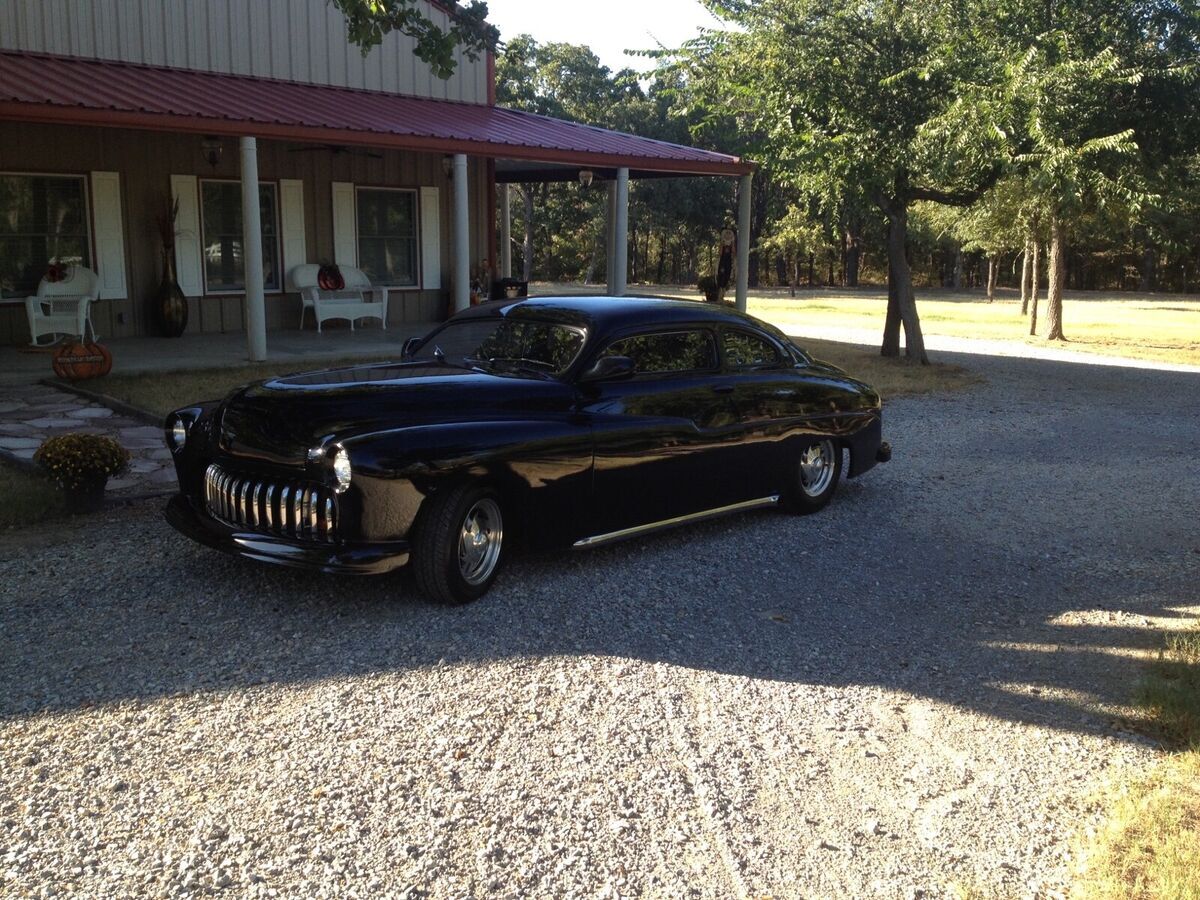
point(744, 350)
point(676, 351)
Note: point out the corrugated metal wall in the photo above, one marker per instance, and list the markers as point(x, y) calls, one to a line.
point(147, 160)
point(297, 40)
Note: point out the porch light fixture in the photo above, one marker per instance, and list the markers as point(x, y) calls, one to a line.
point(213, 149)
point(586, 177)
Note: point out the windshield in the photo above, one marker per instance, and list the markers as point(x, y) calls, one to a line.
point(505, 345)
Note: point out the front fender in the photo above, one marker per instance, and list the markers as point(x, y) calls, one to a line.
point(541, 468)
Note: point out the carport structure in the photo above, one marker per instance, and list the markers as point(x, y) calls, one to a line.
point(476, 146)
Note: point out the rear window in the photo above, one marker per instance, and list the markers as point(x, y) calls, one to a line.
point(667, 352)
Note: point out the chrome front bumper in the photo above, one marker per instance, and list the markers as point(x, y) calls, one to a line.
point(190, 519)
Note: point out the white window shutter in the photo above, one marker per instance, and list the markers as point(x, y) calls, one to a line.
point(110, 235)
point(295, 247)
point(189, 271)
point(431, 239)
point(345, 226)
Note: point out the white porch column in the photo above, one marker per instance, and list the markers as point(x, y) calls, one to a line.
point(462, 235)
point(621, 256)
point(743, 242)
point(506, 232)
point(611, 244)
point(252, 253)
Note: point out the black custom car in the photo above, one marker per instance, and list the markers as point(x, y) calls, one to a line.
point(543, 423)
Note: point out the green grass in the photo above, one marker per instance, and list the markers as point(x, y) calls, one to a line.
point(160, 393)
point(27, 498)
point(1150, 844)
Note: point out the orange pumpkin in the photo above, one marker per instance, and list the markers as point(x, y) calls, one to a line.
point(78, 360)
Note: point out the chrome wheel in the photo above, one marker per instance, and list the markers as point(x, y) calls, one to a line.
point(479, 542)
point(818, 466)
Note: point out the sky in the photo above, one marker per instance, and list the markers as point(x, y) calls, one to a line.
point(608, 27)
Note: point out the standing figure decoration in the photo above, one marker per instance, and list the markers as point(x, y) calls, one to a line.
point(725, 261)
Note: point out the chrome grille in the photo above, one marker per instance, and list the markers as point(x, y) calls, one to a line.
point(294, 509)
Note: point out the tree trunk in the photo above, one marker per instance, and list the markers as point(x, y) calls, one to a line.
point(812, 270)
point(991, 282)
point(1149, 265)
point(781, 268)
point(956, 277)
point(1025, 278)
point(662, 257)
point(831, 262)
point(527, 251)
point(902, 305)
point(1034, 278)
point(1058, 278)
point(548, 256)
point(853, 255)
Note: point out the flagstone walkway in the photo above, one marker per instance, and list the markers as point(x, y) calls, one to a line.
point(31, 413)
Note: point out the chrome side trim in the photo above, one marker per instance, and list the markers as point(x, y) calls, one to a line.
point(678, 520)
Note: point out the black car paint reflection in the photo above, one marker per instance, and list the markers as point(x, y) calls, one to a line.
point(573, 458)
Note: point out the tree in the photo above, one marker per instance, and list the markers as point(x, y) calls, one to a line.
point(371, 20)
point(880, 102)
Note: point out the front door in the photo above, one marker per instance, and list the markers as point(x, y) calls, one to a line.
point(661, 436)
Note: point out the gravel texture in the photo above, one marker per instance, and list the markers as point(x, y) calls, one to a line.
point(911, 693)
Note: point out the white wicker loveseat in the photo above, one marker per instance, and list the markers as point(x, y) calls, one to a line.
point(358, 299)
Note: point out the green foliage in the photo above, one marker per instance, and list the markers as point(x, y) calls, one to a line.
point(371, 20)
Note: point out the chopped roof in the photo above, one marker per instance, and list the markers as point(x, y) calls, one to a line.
point(45, 88)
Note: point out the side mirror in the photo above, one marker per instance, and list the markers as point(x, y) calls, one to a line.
point(610, 368)
point(410, 347)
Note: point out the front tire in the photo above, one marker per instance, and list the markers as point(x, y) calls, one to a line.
point(459, 544)
point(815, 477)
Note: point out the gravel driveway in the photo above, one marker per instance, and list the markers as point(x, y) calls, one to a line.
point(912, 691)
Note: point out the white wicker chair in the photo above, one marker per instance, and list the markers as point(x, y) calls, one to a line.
point(62, 307)
point(357, 300)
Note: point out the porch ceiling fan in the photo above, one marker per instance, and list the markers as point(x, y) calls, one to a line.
point(336, 150)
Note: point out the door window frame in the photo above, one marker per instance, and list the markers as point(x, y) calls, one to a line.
point(673, 329)
point(232, 292)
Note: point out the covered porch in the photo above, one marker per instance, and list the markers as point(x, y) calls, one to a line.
point(142, 132)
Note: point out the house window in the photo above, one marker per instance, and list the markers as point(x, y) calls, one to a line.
point(43, 220)
point(387, 236)
point(221, 214)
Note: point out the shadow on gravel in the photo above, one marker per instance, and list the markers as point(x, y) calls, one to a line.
point(1006, 561)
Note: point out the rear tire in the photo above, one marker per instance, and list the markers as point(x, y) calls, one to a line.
point(815, 477)
point(459, 544)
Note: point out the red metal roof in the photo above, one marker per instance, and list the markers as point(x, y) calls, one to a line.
point(42, 88)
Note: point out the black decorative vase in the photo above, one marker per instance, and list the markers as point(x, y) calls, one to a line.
point(170, 306)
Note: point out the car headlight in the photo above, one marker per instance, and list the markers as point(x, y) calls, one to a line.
point(342, 471)
point(177, 433)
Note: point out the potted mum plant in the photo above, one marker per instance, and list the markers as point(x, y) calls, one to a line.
point(82, 465)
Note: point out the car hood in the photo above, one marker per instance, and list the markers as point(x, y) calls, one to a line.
point(282, 419)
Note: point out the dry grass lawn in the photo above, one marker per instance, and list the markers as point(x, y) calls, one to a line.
point(1161, 327)
point(27, 497)
point(1150, 844)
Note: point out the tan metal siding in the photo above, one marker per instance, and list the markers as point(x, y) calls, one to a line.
point(296, 40)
